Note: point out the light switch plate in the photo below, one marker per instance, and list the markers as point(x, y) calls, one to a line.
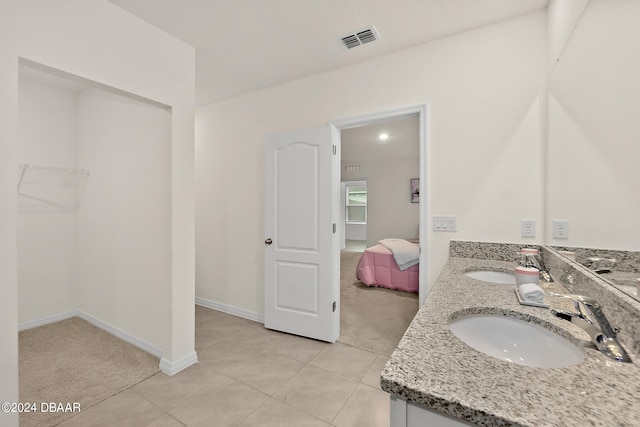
point(445, 223)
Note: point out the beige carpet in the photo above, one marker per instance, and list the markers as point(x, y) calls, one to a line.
point(371, 318)
point(73, 361)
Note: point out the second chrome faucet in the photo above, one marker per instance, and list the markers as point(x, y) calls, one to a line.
point(534, 260)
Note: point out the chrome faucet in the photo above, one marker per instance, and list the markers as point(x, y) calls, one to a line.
point(600, 265)
point(590, 317)
point(535, 261)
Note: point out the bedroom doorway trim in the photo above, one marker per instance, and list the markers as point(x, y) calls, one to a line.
point(424, 208)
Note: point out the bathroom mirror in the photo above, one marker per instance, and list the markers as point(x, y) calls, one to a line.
point(618, 268)
point(593, 126)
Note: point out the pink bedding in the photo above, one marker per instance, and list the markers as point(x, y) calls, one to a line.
point(378, 268)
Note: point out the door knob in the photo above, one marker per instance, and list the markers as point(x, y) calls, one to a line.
point(268, 241)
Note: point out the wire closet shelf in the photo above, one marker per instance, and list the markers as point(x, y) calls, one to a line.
point(54, 186)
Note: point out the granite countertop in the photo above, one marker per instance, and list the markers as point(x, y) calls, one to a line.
point(435, 369)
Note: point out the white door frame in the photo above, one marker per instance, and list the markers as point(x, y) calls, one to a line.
point(425, 194)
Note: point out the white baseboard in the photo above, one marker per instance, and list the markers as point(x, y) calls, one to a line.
point(230, 309)
point(123, 335)
point(46, 320)
point(172, 368)
point(166, 366)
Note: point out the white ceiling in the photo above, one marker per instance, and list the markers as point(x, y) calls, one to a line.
point(362, 143)
point(246, 45)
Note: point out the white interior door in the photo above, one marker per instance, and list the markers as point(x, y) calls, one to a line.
point(301, 239)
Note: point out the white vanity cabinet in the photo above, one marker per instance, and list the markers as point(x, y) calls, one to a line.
point(409, 414)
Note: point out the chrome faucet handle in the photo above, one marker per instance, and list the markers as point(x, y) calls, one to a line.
point(588, 309)
point(592, 311)
point(590, 317)
point(582, 317)
point(596, 311)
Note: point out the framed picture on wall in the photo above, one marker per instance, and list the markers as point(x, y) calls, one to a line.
point(415, 190)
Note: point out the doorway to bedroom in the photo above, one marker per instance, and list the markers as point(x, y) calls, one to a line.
point(380, 171)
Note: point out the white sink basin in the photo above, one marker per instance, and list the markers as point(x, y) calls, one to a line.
point(516, 341)
point(493, 277)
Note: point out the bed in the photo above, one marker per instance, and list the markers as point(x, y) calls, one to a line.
point(378, 267)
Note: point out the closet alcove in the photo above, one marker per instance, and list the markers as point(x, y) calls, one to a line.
point(94, 205)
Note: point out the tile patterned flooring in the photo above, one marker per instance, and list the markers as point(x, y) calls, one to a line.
point(250, 376)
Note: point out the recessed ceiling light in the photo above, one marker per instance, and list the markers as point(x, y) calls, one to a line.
point(383, 136)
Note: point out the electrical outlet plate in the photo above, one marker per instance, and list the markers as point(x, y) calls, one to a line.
point(528, 227)
point(560, 228)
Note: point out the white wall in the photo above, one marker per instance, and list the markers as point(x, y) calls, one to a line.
point(562, 18)
point(48, 127)
point(8, 222)
point(124, 249)
point(98, 41)
point(390, 211)
point(483, 89)
point(110, 255)
point(355, 231)
point(594, 99)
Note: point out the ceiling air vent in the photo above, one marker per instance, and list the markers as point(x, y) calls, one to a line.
point(361, 36)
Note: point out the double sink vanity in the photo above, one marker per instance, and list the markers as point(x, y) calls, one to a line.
point(448, 371)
